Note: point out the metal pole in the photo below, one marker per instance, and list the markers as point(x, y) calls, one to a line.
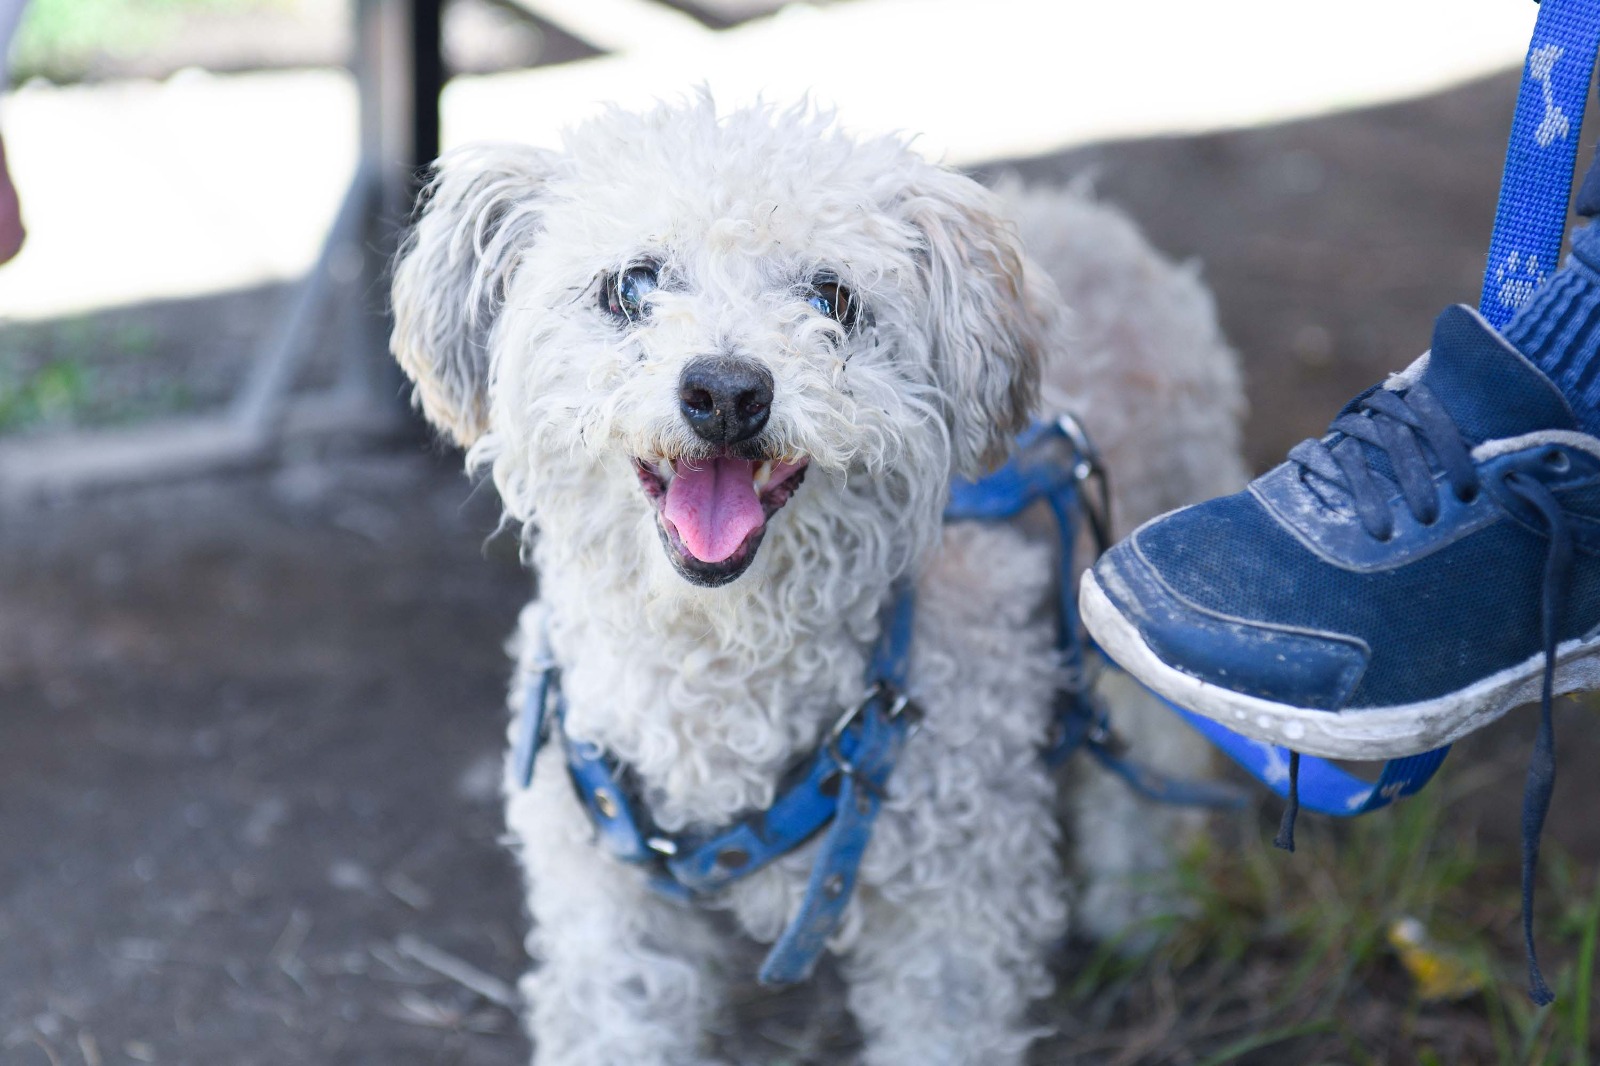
point(400, 71)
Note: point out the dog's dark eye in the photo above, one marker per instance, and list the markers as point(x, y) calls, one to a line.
point(834, 300)
point(623, 294)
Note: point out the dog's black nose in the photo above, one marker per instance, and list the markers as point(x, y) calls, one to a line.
point(725, 400)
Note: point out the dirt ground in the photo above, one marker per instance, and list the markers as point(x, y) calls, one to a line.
point(250, 727)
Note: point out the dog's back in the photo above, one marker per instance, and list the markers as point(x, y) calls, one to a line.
point(1147, 368)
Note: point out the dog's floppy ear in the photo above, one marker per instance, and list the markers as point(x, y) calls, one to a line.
point(478, 214)
point(988, 317)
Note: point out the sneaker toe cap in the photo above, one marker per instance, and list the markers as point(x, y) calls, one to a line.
point(1284, 664)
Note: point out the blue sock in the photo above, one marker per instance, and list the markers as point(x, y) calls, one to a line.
point(1559, 328)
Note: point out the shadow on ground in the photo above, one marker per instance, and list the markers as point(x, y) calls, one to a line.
point(251, 727)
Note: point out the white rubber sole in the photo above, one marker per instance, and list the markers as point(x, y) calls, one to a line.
point(1369, 734)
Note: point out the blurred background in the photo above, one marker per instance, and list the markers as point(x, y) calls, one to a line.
point(251, 617)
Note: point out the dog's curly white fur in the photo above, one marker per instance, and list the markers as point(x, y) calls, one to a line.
point(710, 693)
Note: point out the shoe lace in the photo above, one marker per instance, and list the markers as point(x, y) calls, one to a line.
point(1392, 423)
point(1542, 765)
point(1396, 426)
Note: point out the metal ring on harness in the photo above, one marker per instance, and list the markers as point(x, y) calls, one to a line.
point(899, 703)
point(1087, 469)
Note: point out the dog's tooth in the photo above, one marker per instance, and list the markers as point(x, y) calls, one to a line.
point(663, 470)
point(763, 475)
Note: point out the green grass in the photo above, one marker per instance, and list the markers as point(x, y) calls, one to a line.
point(1286, 958)
point(85, 371)
point(51, 394)
point(59, 38)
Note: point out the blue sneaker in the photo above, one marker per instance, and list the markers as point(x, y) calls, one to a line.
point(1431, 563)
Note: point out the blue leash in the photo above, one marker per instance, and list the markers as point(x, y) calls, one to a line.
point(1531, 218)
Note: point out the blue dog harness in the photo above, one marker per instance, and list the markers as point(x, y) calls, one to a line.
point(840, 788)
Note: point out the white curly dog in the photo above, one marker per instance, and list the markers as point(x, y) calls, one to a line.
point(722, 368)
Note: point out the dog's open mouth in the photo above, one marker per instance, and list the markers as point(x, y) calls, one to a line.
point(712, 513)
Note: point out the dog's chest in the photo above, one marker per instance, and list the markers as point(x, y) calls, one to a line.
point(707, 729)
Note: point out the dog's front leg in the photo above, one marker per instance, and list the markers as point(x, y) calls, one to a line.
point(623, 977)
point(952, 947)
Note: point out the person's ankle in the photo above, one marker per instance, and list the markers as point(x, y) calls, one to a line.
point(1558, 329)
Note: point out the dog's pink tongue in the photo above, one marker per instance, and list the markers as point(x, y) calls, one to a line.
point(713, 506)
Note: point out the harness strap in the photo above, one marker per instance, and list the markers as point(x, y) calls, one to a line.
point(1075, 490)
point(536, 700)
point(815, 793)
point(1161, 788)
point(838, 862)
point(844, 782)
point(802, 808)
point(595, 776)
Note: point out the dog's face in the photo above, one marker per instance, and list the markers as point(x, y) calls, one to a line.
point(715, 325)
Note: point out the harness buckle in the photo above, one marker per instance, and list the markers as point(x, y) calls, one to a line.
point(1088, 456)
point(898, 704)
point(1102, 736)
point(1089, 473)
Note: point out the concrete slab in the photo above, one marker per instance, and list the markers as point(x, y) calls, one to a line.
point(59, 466)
